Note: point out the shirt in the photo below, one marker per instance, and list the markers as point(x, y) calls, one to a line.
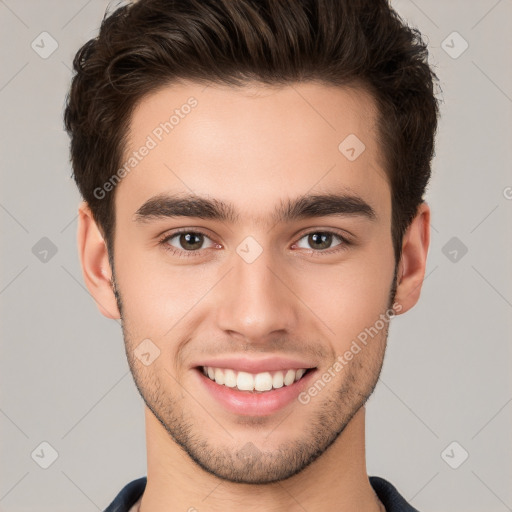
point(128, 499)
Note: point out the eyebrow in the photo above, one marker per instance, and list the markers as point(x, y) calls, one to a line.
point(307, 206)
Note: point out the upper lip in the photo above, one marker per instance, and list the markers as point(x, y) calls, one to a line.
point(244, 364)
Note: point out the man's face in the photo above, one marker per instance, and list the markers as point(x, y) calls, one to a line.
point(287, 291)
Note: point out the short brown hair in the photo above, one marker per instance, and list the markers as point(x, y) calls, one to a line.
point(151, 43)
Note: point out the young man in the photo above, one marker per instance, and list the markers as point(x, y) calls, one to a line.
point(253, 174)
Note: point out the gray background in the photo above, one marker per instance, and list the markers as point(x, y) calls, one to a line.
point(447, 373)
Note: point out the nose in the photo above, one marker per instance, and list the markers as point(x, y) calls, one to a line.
point(256, 300)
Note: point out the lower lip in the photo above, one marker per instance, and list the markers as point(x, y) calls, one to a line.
point(246, 403)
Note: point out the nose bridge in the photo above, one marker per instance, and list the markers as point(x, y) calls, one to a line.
point(254, 302)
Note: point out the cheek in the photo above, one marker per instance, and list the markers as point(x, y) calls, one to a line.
point(350, 297)
point(156, 296)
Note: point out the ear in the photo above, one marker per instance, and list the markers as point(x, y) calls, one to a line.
point(96, 270)
point(411, 269)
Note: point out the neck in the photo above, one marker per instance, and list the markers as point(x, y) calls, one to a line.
point(336, 481)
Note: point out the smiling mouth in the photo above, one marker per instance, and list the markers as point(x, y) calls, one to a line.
point(254, 382)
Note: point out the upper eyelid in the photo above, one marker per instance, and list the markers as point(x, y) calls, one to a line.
point(168, 236)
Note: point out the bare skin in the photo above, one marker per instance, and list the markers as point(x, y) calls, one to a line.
point(254, 147)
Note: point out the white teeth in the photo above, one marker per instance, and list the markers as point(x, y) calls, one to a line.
point(219, 376)
point(299, 373)
point(278, 380)
point(289, 378)
point(263, 382)
point(229, 378)
point(244, 381)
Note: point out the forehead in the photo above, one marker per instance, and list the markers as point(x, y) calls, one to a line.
point(253, 146)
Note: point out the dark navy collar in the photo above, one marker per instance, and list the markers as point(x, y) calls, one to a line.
point(387, 493)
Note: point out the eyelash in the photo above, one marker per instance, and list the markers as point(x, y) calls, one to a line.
point(345, 243)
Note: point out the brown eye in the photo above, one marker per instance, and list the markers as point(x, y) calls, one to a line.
point(321, 240)
point(188, 241)
point(191, 240)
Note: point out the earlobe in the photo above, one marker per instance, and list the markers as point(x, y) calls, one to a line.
point(411, 271)
point(96, 269)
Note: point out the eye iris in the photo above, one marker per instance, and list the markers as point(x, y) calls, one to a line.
point(185, 239)
point(320, 238)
